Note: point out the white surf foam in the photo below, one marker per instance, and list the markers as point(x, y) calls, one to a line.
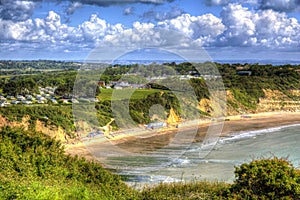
point(252, 134)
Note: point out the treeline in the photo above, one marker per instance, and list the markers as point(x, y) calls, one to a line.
point(40, 64)
point(63, 81)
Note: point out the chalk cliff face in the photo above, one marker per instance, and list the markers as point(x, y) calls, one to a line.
point(24, 123)
point(275, 100)
point(55, 132)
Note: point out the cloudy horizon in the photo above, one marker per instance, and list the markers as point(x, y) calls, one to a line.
point(226, 29)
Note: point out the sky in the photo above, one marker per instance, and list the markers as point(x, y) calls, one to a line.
point(245, 30)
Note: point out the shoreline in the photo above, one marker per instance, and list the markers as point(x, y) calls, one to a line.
point(144, 140)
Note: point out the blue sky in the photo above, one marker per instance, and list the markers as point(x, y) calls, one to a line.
point(224, 29)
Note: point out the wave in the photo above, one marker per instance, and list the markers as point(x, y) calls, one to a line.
point(252, 134)
point(208, 146)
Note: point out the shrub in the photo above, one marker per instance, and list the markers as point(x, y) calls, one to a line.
point(272, 178)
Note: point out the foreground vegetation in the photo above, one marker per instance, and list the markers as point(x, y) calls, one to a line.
point(34, 166)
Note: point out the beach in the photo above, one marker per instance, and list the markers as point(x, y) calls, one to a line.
point(145, 141)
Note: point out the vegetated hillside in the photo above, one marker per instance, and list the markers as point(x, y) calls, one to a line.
point(55, 121)
point(276, 86)
point(267, 88)
point(34, 166)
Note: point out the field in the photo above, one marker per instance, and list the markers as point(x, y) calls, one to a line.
point(137, 94)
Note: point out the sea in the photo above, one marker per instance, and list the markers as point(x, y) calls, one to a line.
point(188, 164)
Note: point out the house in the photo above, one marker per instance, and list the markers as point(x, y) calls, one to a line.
point(75, 101)
point(119, 84)
point(26, 102)
point(15, 102)
point(101, 83)
point(117, 87)
point(2, 98)
point(41, 98)
point(30, 97)
point(11, 97)
point(4, 103)
point(156, 125)
point(244, 73)
point(65, 100)
point(54, 101)
point(21, 98)
point(139, 86)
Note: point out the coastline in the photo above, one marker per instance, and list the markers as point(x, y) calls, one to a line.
point(139, 140)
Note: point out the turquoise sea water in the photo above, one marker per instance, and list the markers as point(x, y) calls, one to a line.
point(218, 164)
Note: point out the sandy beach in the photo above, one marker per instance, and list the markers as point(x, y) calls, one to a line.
point(141, 141)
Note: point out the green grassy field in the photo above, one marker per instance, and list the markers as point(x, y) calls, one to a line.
point(111, 94)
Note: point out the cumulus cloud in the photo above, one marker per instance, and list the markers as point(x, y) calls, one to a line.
point(16, 10)
point(160, 16)
point(73, 7)
point(51, 32)
point(20, 10)
point(128, 11)
point(216, 2)
point(277, 5)
point(114, 2)
point(280, 5)
point(265, 28)
point(237, 26)
point(204, 28)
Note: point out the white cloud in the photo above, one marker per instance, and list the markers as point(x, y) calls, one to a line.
point(73, 7)
point(280, 5)
point(217, 2)
point(128, 11)
point(204, 28)
point(160, 16)
point(238, 26)
point(52, 31)
point(16, 10)
point(266, 28)
point(20, 10)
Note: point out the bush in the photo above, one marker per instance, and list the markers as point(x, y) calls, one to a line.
point(272, 178)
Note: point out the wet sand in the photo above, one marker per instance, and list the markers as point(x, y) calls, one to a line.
point(144, 142)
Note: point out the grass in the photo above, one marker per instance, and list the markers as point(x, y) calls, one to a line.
point(34, 166)
point(137, 94)
point(194, 190)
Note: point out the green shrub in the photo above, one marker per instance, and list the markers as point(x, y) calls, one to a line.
point(182, 190)
point(272, 178)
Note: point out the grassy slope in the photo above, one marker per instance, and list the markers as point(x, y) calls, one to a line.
point(110, 94)
point(34, 166)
